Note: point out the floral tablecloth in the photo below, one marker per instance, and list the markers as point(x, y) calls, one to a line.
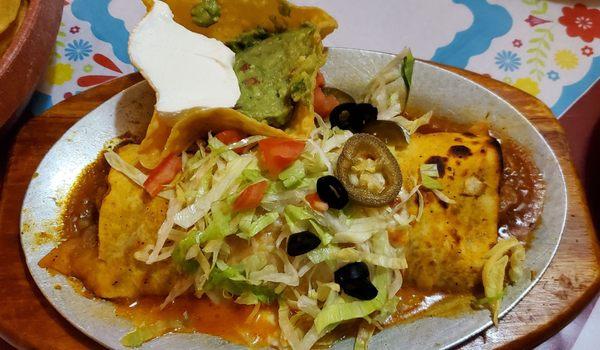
point(550, 49)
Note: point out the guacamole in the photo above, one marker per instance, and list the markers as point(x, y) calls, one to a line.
point(277, 72)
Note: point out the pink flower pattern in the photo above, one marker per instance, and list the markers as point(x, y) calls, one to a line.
point(587, 51)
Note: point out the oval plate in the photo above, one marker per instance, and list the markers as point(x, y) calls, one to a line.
point(433, 88)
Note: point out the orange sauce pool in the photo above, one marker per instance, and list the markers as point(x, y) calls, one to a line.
point(415, 304)
point(242, 324)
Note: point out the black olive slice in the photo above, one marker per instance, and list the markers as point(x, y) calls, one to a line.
point(352, 116)
point(354, 280)
point(364, 146)
point(341, 114)
point(365, 114)
point(332, 192)
point(363, 290)
point(302, 243)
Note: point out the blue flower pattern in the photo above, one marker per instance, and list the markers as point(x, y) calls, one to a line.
point(508, 61)
point(553, 75)
point(78, 50)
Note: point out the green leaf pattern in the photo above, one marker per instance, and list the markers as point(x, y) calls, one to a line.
point(538, 53)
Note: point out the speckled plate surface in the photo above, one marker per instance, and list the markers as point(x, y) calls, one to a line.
point(350, 70)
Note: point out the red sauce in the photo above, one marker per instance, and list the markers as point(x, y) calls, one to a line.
point(237, 323)
point(521, 193)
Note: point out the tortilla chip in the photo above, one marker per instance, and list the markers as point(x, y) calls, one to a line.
point(237, 17)
point(193, 125)
point(303, 120)
point(7, 33)
point(447, 246)
point(156, 138)
point(129, 220)
point(240, 16)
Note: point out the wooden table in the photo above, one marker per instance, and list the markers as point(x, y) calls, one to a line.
point(27, 320)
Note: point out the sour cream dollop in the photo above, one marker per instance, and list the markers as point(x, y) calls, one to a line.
point(186, 69)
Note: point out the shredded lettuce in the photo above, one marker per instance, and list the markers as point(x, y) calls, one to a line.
point(515, 272)
point(296, 217)
point(269, 273)
point(408, 126)
point(165, 228)
point(443, 197)
point(388, 90)
point(320, 162)
point(250, 226)
point(144, 333)
point(181, 286)
point(430, 170)
point(290, 333)
point(341, 312)
point(120, 165)
point(231, 280)
point(334, 253)
point(365, 332)
point(324, 236)
point(408, 63)
point(308, 306)
point(221, 149)
point(254, 262)
point(293, 175)
point(218, 228)
point(191, 214)
point(134, 174)
point(493, 282)
point(252, 175)
point(180, 252)
point(494, 271)
point(431, 183)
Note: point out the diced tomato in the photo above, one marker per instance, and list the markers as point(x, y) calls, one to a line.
point(251, 196)
point(324, 104)
point(320, 79)
point(276, 154)
point(315, 202)
point(232, 136)
point(163, 174)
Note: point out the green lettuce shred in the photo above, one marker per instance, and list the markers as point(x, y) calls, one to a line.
point(296, 217)
point(407, 71)
point(252, 175)
point(431, 183)
point(144, 333)
point(341, 312)
point(250, 226)
point(232, 280)
point(293, 176)
point(218, 228)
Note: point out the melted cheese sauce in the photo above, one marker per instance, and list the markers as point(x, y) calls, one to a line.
point(240, 324)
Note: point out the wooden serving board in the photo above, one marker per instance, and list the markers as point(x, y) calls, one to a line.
point(27, 320)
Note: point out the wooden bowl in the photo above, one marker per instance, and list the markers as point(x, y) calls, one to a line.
point(25, 60)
